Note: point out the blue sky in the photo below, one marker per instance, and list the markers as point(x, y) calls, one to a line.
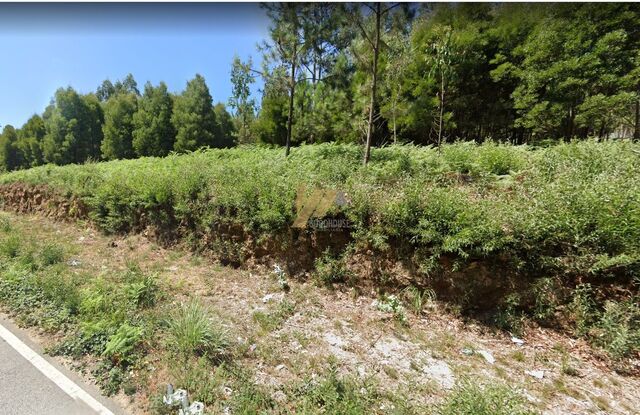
point(46, 46)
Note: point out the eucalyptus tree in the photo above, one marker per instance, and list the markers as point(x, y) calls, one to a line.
point(242, 77)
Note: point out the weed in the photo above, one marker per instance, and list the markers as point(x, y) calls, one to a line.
point(417, 299)
point(545, 292)
point(194, 330)
point(51, 254)
point(391, 304)
point(471, 398)
point(509, 316)
point(330, 270)
point(122, 344)
point(333, 394)
point(10, 247)
point(110, 377)
point(583, 308)
point(618, 328)
point(273, 320)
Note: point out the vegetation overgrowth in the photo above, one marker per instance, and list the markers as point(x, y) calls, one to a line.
point(518, 227)
point(128, 329)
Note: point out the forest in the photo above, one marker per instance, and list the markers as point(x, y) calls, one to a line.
point(372, 74)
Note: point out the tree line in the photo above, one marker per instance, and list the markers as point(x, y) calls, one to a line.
point(381, 73)
point(373, 73)
point(116, 122)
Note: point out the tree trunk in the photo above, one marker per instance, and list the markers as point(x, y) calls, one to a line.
point(441, 111)
point(292, 90)
point(374, 84)
point(636, 129)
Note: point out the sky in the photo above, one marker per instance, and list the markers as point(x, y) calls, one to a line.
point(46, 46)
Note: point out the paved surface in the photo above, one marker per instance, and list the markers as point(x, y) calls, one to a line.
point(26, 390)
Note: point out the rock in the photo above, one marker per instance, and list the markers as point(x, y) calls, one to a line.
point(487, 356)
point(281, 367)
point(440, 371)
point(74, 262)
point(538, 374)
point(467, 352)
point(517, 341)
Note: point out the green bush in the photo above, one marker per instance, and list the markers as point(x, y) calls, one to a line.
point(10, 246)
point(51, 254)
point(122, 344)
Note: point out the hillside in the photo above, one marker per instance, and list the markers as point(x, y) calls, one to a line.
point(425, 253)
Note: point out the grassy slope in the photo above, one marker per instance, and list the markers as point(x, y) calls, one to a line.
point(560, 216)
point(570, 207)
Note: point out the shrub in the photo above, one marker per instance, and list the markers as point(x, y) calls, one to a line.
point(618, 328)
point(330, 270)
point(10, 246)
point(392, 304)
point(51, 254)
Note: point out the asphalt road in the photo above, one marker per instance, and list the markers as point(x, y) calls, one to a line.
point(43, 388)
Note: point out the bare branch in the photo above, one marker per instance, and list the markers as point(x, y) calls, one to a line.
point(389, 8)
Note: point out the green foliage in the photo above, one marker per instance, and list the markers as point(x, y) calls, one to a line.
point(73, 126)
point(118, 126)
point(334, 394)
point(10, 246)
point(194, 118)
point(618, 328)
point(273, 320)
point(471, 398)
point(10, 155)
point(330, 270)
point(193, 330)
point(122, 343)
point(153, 133)
point(571, 207)
point(51, 254)
point(392, 305)
point(417, 298)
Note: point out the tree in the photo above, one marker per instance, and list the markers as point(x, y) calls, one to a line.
point(373, 40)
point(577, 57)
point(271, 124)
point(153, 132)
point(240, 101)
point(193, 117)
point(29, 143)
point(226, 130)
point(286, 49)
point(441, 62)
point(9, 154)
point(105, 90)
point(73, 128)
point(118, 126)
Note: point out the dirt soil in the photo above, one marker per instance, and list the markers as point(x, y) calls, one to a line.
point(422, 359)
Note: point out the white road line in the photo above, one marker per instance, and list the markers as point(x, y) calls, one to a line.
point(63, 382)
